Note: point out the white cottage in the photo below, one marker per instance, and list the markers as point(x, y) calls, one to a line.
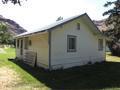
point(66, 43)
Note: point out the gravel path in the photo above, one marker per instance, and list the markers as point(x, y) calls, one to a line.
point(8, 78)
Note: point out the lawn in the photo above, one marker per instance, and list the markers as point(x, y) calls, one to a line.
point(28, 82)
point(111, 58)
point(100, 76)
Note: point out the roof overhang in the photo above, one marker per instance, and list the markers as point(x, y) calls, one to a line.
point(30, 34)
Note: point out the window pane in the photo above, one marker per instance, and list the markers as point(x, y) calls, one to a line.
point(71, 43)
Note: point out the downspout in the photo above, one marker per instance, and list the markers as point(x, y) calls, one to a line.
point(49, 43)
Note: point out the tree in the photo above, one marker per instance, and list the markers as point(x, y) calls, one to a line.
point(5, 36)
point(12, 1)
point(113, 24)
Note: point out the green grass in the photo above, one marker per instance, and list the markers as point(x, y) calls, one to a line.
point(111, 58)
point(100, 76)
point(3, 57)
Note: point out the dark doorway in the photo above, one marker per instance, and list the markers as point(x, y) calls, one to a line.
point(21, 47)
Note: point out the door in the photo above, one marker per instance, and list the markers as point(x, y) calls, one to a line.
point(21, 47)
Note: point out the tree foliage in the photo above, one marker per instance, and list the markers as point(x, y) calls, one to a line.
point(113, 24)
point(5, 36)
point(13, 1)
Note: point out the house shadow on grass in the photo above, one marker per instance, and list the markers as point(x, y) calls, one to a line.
point(98, 76)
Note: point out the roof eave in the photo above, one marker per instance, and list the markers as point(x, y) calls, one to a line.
point(31, 34)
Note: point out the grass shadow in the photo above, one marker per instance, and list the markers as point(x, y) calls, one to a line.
point(97, 76)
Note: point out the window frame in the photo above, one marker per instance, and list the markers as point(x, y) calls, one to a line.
point(68, 44)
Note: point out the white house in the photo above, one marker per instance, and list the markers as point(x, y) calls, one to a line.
point(66, 43)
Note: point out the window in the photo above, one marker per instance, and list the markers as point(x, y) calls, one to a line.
point(18, 43)
point(78, 26)
point(100, 44)
point(26, 43)
point(71, 43)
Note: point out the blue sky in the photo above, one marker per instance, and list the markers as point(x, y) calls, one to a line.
point(34, 14)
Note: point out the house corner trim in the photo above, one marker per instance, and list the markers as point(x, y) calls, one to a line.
point(49, 41)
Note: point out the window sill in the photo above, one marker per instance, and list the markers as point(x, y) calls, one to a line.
point(71, 50)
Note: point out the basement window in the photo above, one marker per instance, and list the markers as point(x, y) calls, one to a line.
point(100, 44)
point(71, 43)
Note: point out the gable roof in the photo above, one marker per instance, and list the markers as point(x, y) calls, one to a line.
point(56, 24)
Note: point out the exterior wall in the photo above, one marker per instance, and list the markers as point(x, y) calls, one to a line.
point(87, 46)
point(40, 46)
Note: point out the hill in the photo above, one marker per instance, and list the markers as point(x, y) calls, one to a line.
point(13, 27)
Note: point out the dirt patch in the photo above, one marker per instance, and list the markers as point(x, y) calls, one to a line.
point(8, 78)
